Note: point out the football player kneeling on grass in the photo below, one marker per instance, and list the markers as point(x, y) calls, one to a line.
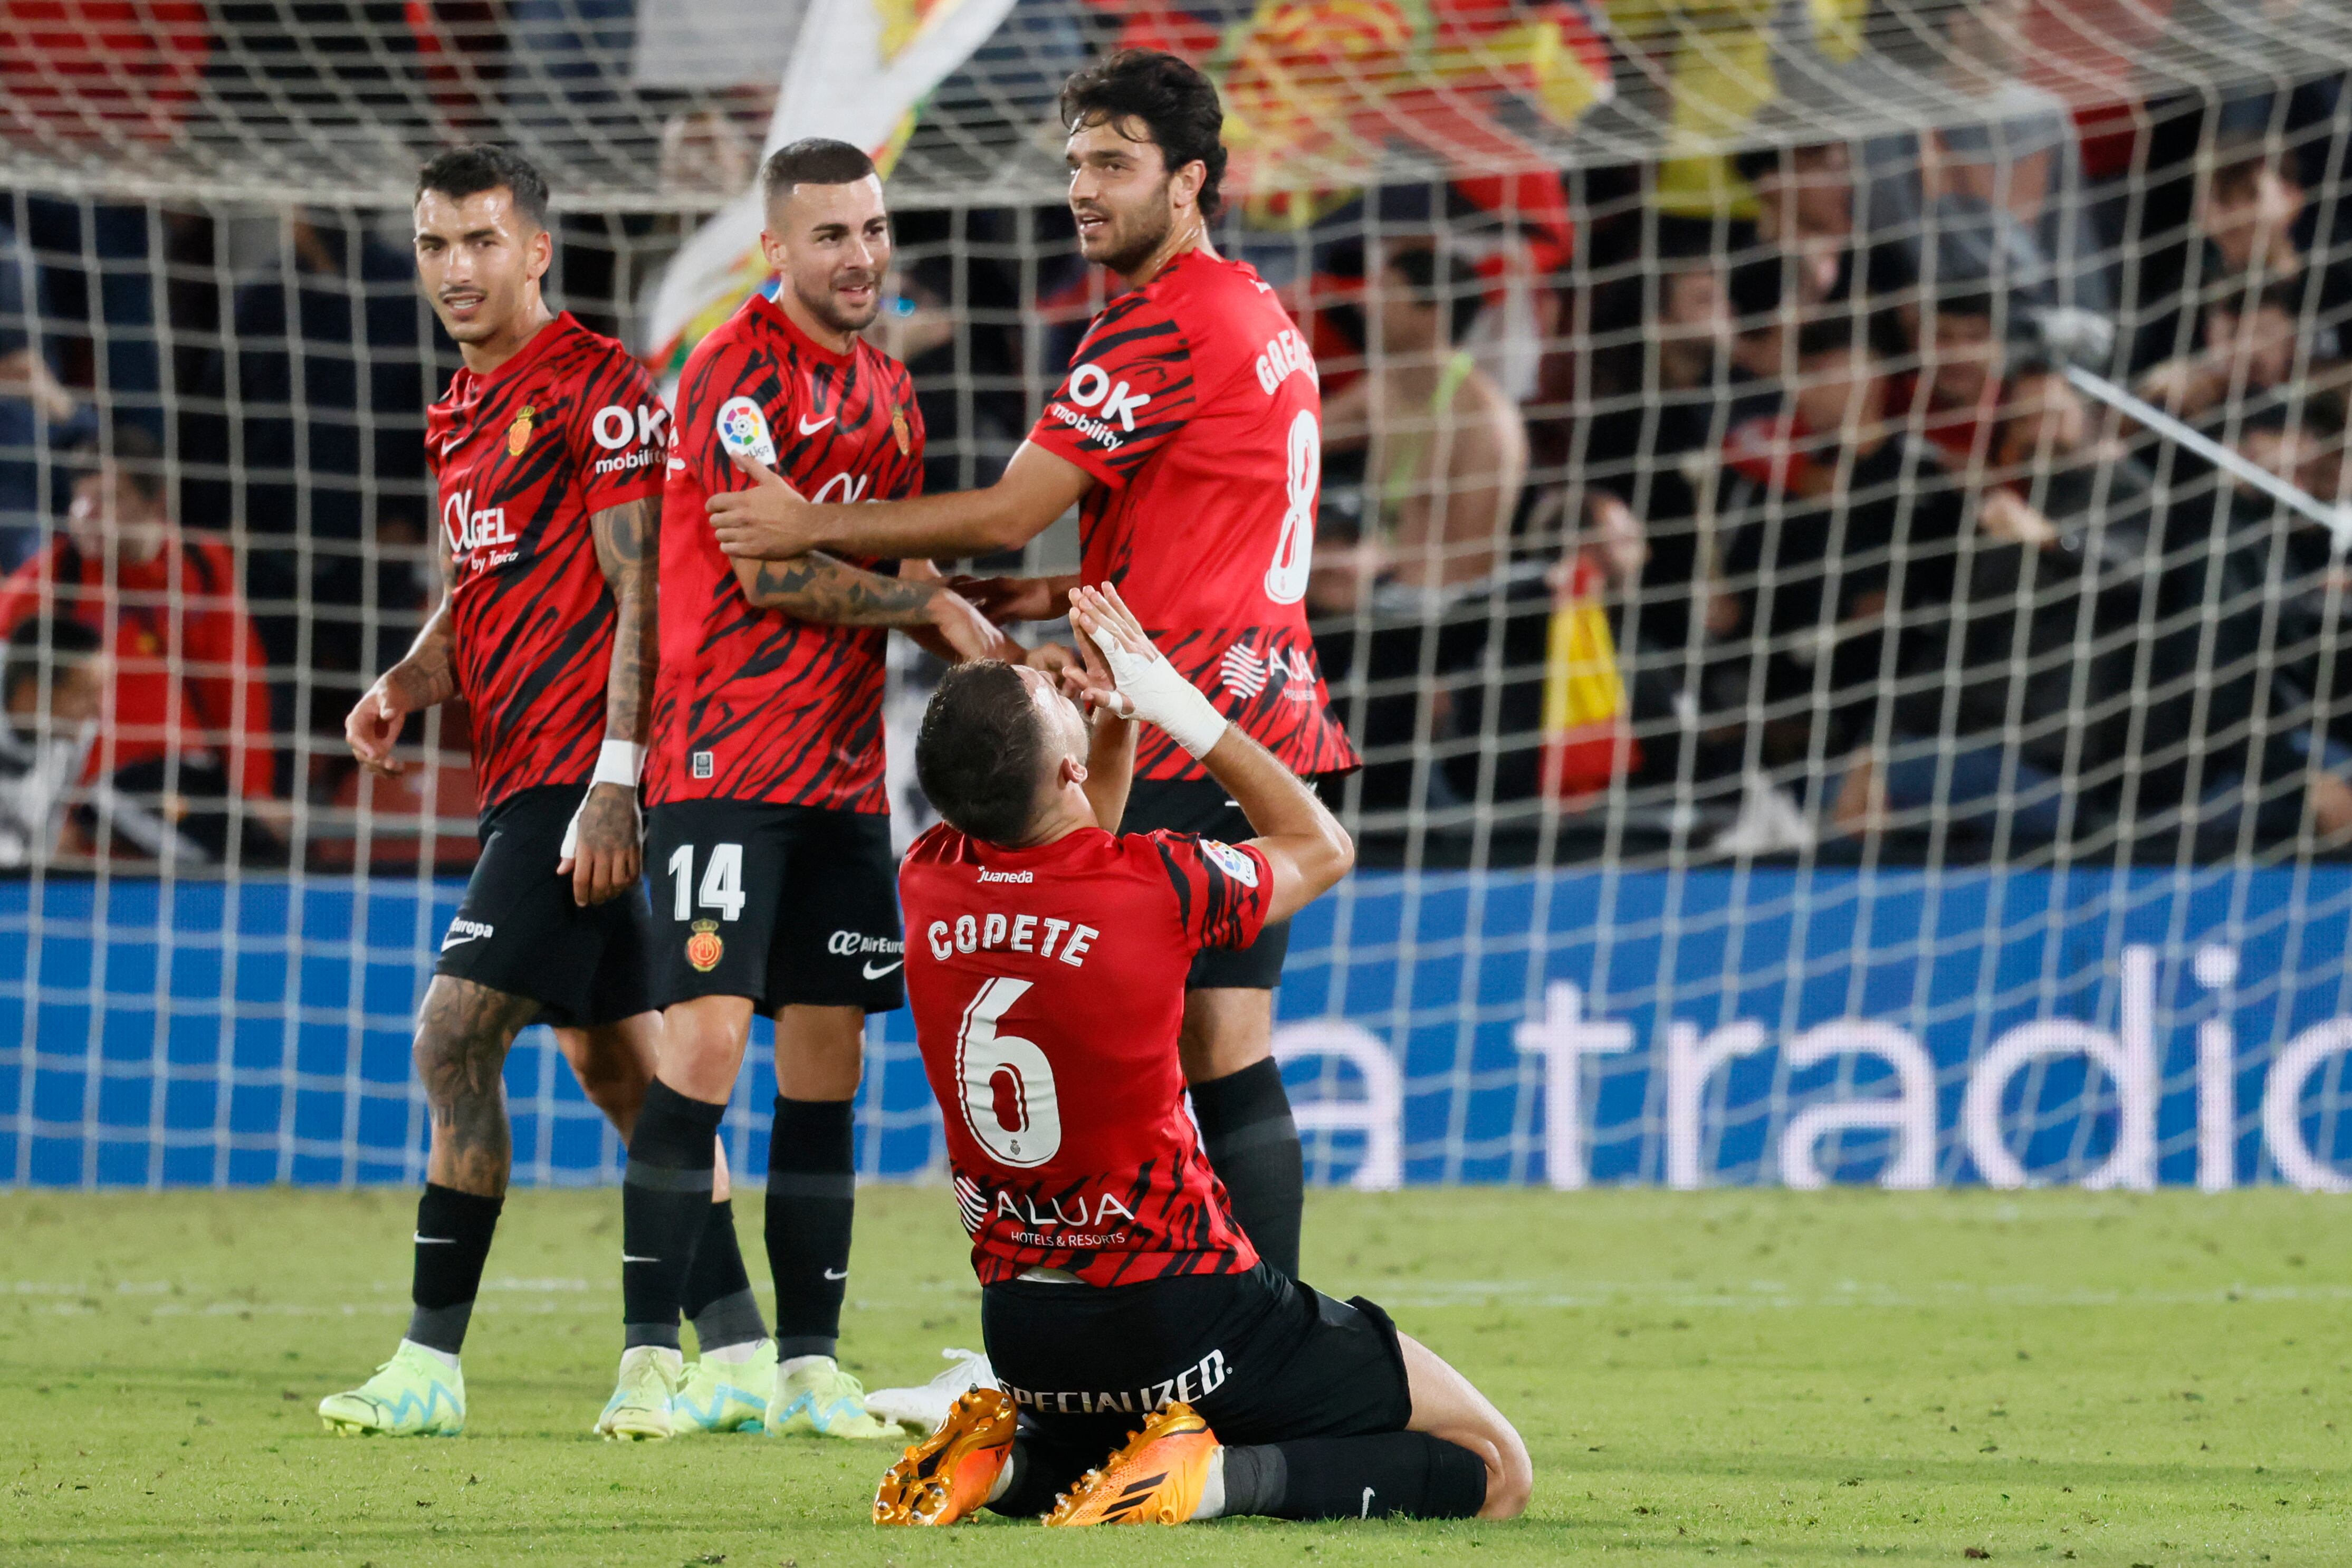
point(1153, 1371)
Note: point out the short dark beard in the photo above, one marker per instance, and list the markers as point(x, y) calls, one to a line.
point(822, 310)
point(1141, 250)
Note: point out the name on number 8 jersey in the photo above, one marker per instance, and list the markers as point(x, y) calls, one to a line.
point(1194, 402)
point(1047, 986)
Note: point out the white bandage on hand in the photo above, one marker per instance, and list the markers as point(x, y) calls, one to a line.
point(617, 763)
point(1156, 694)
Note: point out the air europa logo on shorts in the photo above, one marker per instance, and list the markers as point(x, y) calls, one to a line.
point(704, 948)
point(851, 944)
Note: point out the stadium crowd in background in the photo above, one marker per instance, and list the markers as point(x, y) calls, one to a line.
point(1760, 493)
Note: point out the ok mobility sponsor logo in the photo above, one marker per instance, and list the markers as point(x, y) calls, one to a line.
point(858, 944)
point(1090, 386)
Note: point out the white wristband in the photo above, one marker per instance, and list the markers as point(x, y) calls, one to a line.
point(618, 763)
point(1160, 696)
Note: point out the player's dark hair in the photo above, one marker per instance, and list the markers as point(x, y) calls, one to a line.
point(135, 453)
point(812, 161)
point(1460, 291)
point(1172, 100)
point(42, 646)
point(478, 167)
point(980, 751)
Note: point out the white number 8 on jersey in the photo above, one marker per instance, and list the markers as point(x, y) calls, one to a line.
point(1294, 553)
point(1008, 1085)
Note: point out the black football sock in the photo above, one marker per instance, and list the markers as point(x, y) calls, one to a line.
point(1408, 1473)
point(1252, 1146)
point(1042, 1470)
point(719, 1300)
point(811, 1196)
point(665, 1205)
point(453, 1242)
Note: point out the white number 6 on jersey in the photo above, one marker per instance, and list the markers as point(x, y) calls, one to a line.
point(1294, 553)
point(1008, 1085)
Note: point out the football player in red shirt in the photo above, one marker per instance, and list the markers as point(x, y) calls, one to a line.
point(1120, 1304)
point(774, 878)
point(548, 450)
point(1188, 434)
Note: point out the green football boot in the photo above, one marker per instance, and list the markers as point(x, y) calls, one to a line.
point(725, 1395)
point(413, 1394)
point(815, 1398)
point(639, 1409)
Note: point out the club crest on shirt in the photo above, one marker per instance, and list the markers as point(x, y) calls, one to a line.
point(743, 430)
point(519, 433)
point(1232, 861)
point(899, 429)
point(704, 948)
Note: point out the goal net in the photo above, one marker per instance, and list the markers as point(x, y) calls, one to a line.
point(1832, 546)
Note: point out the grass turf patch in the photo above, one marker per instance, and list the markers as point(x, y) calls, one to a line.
point(1759, 1377)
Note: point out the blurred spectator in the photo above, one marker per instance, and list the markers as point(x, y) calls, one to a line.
point(35, 410)
point(2256, 226)
point(2252, 636)
point(1805, 212)
point(1955, 396)
point(1448, 451)
point(52, 688)
point(1998, 196)
point(2251, 345)
point(1669, 399)
point(2023, 709)
point(187, 720)
point(1839, 527)
point(324, 370)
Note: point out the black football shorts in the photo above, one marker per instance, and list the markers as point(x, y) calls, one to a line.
point(517, 929)
point(1261, 1357)
point(788, 905)
point(1202, 806)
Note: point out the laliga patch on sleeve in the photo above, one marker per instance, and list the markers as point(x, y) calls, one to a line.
point(743, 430)
point(1232, 861)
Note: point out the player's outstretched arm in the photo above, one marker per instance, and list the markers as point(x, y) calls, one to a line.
point(425, 677)
point(1300, 838)
point(771, 522)
point(817, 587)
point(603, 850)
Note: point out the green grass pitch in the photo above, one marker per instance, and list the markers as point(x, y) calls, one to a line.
point(1718, 1377)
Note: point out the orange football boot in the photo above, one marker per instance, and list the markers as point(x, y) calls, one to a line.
point(946, 1476)
point(1156, 1478)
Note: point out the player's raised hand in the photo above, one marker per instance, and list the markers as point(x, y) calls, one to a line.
point(967, 631)
point(1085, 677)
point(769, 522)
point(373, 727)
point(601, 850)
point(1104, 617)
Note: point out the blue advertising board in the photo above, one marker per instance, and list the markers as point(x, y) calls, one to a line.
point(1912, 1028)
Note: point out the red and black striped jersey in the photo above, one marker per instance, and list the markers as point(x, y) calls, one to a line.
point(751, 703)
point(1193, 401)
point(1047, 986)
point(524, 457)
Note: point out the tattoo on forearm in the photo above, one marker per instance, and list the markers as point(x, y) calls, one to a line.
point(627, 551)
point(462, 1035)
point(817, 587)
